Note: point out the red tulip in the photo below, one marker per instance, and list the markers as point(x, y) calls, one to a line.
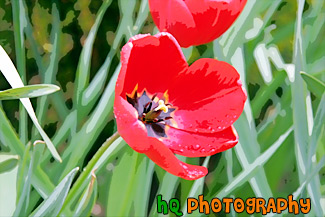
point(195, 22)
point(163, 106)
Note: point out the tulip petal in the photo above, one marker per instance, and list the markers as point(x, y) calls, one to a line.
point(191, 144)
point(209, 97)
point(151, 62)
point(164, 157)
point(174, 16)
point(195, 22)
point(130, 128)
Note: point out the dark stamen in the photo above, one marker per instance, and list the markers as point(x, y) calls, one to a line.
point(153, 97)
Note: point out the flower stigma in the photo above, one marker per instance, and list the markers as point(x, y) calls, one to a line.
point(162, 106)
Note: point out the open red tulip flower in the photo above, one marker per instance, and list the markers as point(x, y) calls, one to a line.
point(195, 22)
point(164, 107)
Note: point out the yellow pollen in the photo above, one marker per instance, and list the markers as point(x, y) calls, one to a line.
point(162, 106)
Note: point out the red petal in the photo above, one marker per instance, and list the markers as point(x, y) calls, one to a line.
point(165, 158)
point(131, 130)
point(174, 16)
point(211, 18)
point(209, 96)
point(191, 144)
point(152, 62)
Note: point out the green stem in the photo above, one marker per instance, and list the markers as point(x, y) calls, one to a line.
point(84, 175)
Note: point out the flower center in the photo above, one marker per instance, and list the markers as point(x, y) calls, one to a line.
point(153, 112)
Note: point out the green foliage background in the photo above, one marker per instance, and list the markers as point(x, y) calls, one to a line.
point(276, 45)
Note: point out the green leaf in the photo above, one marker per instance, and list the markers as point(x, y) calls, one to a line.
point(251, 169)
point(8, 164)
point(197, 187)
point(9, 71)
point(18, 23)
point(317, 128)
point(8, 135)
point(29, 91)
point(51, 206)
point(167, 188)
point(83, 71)
point(122, 183)
point(113, 144)
point(88, 198)
point(141, 186)
point(314, 85)
point(8, 188)
point(24, 182)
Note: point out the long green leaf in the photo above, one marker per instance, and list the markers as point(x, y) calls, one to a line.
point(8, 135)
point(25, 180)
point(121, 185)
point(252, 168)
point(8, 188)
point(301, 113)
point(48, 76)
point(113, 144)
point(8, 164)
point(197, 187)
point(82, 76)
point(88, 198)
point(9, 71)
point(19, 25)
point(29, 91)
point(313, 84)
point(51, 206)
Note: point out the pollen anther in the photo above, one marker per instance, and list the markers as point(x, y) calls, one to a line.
point(161, 106)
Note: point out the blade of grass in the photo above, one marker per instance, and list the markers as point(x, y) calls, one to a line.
point(88, 198)
point(232, 38)
point(124, 175)
point(19, 25)
point(263, 62)
point(300, 110)
point(23, 168)
point(49, 75)
point(302, 186)
point(67, 129)
point(142, 186)
point(59, 103)
point(8, 164)
point(314, 85)
point(95, 163)
point(167, 188)
point(40, 180)
point(92, 92)
point(197, 188)
point(8, 135)
point(82, 141)
point(29, 91)
point(51, 206)
point(83, 70)
point(266, 92)
point(9, 71)
point(317, 129)
point(7, 189)
point(251, 169)
point(25, 180)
